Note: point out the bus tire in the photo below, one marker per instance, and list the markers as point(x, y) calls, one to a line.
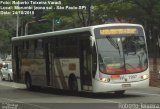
point(28, 82)
point(121, 92)
point(9, 78)
point(73, 84)
point(2, 78)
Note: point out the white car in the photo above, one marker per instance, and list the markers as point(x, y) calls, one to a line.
point(6, 72)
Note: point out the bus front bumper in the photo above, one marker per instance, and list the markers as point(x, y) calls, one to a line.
point(99, 86)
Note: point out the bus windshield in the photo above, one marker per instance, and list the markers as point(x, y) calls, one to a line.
point(121, 55)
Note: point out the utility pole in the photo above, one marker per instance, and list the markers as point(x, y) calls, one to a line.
point(26, 25)
point(17, 30)
point(53, 24)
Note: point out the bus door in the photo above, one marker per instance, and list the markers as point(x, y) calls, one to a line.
point(47, 57)
point(85, 63)
point(53, 77)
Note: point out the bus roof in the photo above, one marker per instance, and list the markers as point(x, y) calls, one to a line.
point(69, 31)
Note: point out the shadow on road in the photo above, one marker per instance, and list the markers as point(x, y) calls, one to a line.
point(83, 94)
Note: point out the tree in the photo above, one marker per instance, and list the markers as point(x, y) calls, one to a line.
point(5, 45)
point(7, 30)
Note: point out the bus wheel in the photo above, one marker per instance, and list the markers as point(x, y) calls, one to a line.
point(120, 92)
point(73, 85)
point(2, 78)
point(28, 82)
point(9, 78)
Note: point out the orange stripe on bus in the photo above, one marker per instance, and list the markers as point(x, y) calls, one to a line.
point(115, 76)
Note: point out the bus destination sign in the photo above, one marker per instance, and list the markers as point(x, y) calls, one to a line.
point(118, 31)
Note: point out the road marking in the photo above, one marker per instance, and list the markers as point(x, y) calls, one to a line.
point(7, 85)
point(109, 101)
point(143, 93)
point(12, 84)
point(12, 100)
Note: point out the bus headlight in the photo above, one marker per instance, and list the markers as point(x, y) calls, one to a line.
point(105, 79)
point(145, 76)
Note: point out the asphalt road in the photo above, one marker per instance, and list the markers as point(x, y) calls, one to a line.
point(15, 96)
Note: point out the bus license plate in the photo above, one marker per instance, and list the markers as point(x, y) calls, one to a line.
point(126, 85)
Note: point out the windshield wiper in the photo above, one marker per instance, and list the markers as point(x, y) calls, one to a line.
point(115, 44)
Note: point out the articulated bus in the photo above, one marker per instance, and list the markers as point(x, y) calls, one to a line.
point(100, 58)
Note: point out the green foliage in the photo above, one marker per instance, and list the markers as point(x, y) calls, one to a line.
point(7, 30)
point(5, 41)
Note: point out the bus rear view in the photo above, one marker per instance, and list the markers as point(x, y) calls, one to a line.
point(122, 59)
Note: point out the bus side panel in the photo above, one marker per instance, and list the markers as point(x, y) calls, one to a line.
point(36, 69)
point(64, 67)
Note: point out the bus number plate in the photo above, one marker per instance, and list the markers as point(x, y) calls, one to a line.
point(126, 85)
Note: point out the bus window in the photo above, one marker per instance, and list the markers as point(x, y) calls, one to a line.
point(94, 61)
point(39, 49)
point(122, 54)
